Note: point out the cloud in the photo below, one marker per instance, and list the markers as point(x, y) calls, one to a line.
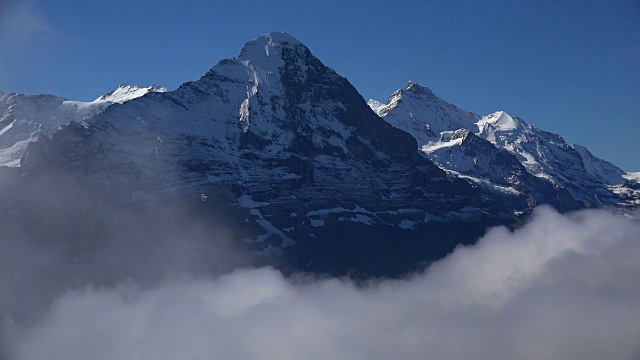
point(561, 287)
point(58, 236)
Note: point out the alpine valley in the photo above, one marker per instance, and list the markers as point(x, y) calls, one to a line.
point(286, 156)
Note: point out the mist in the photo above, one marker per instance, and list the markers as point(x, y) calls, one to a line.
point(57, 236)
point(560, 287)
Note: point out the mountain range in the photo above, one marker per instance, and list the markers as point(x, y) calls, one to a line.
point(288, 155)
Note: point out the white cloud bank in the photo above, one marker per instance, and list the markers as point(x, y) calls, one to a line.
point(561, 287)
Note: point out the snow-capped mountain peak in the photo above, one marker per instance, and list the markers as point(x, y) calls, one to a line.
point(126, 92)
point(412, 91)
point(499, 120)
point(261, 58)
point(375, 105)
point(418, 111)
point(268, 45)
point(24, 117)
point(417, 90)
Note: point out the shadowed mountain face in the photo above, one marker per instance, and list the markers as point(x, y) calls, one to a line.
point(287, 157)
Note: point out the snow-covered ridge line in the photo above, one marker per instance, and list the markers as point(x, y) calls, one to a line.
point(22, 117)
point(126, 92)
point(432, 121)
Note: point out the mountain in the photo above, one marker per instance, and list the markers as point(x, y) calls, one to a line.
point(24, 117)
point(505, 153)
point(418, 111)
point(289, 150)
point(126, 92)
point(291, 159)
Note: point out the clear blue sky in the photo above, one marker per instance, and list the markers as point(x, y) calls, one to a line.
point(567, 66)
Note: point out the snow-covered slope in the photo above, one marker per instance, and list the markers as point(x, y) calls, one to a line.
point(126, 92)
point(601, 169)
point(543, 154)
point(418, 111)
point(632, 176)
point(24, 117)
point(548, 156)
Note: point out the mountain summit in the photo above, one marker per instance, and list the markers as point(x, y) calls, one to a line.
point(415, 109)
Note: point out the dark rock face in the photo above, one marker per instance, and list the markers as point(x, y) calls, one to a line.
point(36, 158)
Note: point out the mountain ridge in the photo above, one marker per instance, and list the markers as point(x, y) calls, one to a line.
point(299, 162)
point(25, 117)
point(543, 154)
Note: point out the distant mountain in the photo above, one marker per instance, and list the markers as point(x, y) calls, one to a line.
point(444, 131)
point(298, 166)
point(126, 92)
point(24, 117)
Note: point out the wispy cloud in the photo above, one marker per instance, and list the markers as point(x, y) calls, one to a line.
point(561, 287)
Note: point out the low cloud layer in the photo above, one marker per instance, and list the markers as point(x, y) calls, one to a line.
point(561, 287)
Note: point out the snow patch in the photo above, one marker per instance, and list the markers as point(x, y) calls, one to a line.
point(359, 218)
point(375, 105)
point(433, 146)
point(407, 224)
point(431, 217)
point(7, 128)
point(10, 157)
point(245, 201)
point(632, 176)
point(128, 92)
point(317, 223)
